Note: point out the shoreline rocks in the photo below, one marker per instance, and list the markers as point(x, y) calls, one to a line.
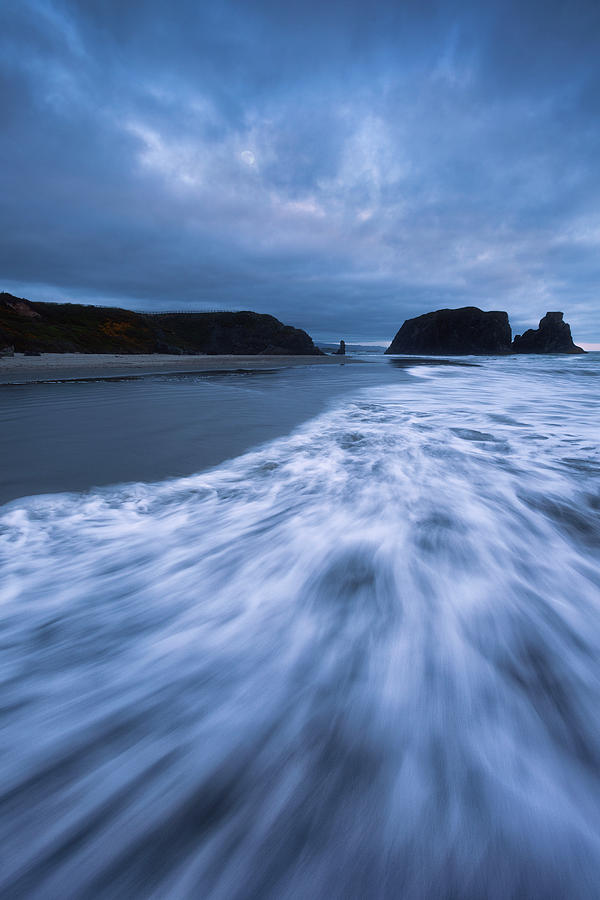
point(553, 335)
point(471, 331)
point(458, 332)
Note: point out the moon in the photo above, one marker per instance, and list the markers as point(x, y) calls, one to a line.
point(248, 157)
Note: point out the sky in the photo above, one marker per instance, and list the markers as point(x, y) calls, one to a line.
point(340, 165)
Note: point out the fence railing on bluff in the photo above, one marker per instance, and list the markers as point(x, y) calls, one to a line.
point(159, 312)
point(180, 312)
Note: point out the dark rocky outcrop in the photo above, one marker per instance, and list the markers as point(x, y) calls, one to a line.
point(341, 351)
point(553, 335)
point(69, 328)
point(456, 332)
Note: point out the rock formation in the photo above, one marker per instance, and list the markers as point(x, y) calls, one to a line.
point(457, 332)
point(341, 351)
point(553, 335)
point(68, 328)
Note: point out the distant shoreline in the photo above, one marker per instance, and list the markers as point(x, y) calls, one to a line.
point(51, 367)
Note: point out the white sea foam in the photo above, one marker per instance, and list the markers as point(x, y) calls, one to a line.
point(362, 661)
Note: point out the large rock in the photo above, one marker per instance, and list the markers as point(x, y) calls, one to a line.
point(553, 335)
point(456, 332)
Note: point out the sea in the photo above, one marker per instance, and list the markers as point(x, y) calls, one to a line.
point(320, 633)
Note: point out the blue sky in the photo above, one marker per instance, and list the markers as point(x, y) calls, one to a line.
point(342, 166)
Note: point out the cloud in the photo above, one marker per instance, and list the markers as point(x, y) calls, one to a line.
point(339, 165)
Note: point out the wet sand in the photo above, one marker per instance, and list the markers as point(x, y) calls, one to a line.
point(70, 366)
point(74, 433)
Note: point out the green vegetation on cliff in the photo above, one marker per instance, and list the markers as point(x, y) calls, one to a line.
point(73, 328)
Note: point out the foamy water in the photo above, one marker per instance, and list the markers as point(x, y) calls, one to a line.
point(362, 661)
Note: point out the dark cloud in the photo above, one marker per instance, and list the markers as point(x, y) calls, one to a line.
point(342, 165)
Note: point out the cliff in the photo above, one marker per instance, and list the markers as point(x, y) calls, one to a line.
point(72, 328)
point(553, 335)
point(457, 332)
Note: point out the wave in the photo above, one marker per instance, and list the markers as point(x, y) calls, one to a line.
point(359, 661)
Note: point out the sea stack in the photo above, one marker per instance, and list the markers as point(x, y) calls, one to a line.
point(553, 335)
point(341, 351)
point(456, 332)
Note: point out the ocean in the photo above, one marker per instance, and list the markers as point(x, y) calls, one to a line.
point(308, 634)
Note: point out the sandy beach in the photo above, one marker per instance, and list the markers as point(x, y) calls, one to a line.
point(75, 366)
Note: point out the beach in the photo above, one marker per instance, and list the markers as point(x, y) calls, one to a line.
point(74, 422)
point(68, 366)
point(307, 633)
